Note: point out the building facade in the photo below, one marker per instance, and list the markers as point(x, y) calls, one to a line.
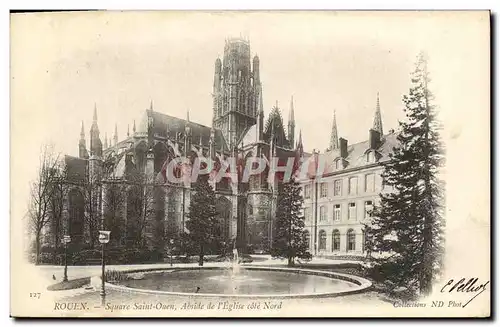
point(340, 195)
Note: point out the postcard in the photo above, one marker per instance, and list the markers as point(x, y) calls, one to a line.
point(250, 164)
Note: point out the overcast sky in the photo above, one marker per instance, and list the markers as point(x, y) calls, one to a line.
point(64, 63)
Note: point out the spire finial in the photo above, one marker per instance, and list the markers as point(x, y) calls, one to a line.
point(94, 118)
point(276, 103)
point(334, 138)
point(128, 130)
point(187, 115)
point(151, 105)
point(377, 120)
point(261, 104)
point(115, 137)
point(291, 117)
point(299, 142)
point(133, 127)
point(82, 132)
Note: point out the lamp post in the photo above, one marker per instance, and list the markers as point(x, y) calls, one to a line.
point(171, 247)
point(103, 239)
point(66, 239)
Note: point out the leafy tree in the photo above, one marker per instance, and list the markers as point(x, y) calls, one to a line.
point(408, 224)
point(289, 240)
point(202, 223)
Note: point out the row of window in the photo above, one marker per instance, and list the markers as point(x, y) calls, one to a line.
point(337, 211)
point(350, 245)
point(337, 187)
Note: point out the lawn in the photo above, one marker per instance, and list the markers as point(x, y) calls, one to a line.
point(70, 284)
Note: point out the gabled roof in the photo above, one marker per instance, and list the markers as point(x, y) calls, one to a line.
point(275, 125)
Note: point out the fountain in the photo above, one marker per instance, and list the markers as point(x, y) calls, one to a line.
point(253, 281)
point(236, 262)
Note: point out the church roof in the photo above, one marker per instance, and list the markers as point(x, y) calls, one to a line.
point(171, 127)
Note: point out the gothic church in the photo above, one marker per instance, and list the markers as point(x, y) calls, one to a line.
point(239, 129)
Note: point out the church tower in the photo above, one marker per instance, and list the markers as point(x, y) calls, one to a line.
point(235, 91)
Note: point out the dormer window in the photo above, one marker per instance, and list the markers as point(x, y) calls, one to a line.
point(370, 156)
point(338, 164)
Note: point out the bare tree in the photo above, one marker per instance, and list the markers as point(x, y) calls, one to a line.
point(92, 216)
point(113, 200)
point(140, 207)
point(41, 194)
point(56, 206)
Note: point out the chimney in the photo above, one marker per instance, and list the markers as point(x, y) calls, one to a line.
point(343, 147)
point(374, 139)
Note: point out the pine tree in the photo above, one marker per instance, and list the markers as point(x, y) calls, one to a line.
point(289, 240)
point(202, 223)
point(408, 224)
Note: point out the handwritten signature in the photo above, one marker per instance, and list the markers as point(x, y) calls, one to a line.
point(462, 286)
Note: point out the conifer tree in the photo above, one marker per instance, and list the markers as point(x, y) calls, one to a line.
point(289, 240)
point(407, 225)
point(202, 223)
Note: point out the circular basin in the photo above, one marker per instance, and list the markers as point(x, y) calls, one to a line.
point(247, 282)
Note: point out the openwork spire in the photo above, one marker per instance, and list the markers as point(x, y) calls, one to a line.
point(334, 137)
point(377, 120)
point(82, 132)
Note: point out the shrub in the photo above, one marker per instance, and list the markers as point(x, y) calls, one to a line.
point(115, 276)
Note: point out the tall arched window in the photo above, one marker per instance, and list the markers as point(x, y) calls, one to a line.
point(76, 215)
point(224, 207)
point(336, 240)
point(351, 240)
point(322, 240)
